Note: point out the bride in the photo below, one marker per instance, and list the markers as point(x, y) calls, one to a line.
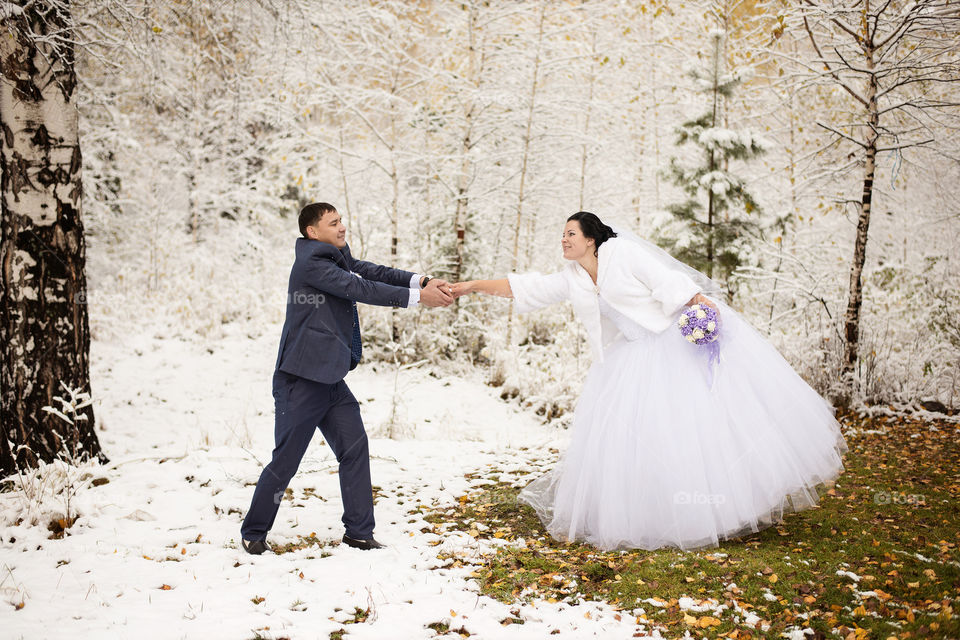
point(667, 450)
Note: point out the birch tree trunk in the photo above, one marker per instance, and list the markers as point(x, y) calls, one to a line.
point(585, 147)
point(44, 330)
point(524, 157)
point(466, 144)
point(855, 297)
point(193, 147)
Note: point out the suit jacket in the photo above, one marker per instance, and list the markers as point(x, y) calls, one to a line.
point(637, 286)
point(317, 331)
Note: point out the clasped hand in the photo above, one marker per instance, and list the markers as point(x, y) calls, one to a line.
point(440, 293)
point(437, 293)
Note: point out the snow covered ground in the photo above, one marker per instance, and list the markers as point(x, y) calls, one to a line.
point(187, 427)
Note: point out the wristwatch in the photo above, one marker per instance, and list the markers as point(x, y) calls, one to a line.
point(424, 280)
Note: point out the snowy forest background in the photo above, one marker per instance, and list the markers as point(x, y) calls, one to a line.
point(456, 137)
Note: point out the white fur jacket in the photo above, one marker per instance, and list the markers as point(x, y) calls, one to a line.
point(639, 287)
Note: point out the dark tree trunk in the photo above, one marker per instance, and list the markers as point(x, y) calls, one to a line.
point(394, 240)
point(44, 331)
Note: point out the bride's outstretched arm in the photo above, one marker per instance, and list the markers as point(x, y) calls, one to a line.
point(490, 287)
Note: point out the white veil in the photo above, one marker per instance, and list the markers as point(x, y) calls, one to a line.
point(709, 287)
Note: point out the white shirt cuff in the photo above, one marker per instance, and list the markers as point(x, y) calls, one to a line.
point(415, 281)
point(414, 297)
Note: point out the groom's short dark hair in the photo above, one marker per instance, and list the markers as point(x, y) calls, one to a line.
point(312, 213)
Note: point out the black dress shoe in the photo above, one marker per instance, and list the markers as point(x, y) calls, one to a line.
point(366, 545)
point(255, 547)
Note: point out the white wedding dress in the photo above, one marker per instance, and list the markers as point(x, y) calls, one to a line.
point(660, 458)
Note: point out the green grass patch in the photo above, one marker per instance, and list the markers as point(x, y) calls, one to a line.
point(889, 527)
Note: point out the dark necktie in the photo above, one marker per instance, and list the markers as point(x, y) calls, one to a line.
point(356, 346)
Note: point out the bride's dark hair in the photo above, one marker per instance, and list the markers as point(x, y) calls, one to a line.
point(593, 228)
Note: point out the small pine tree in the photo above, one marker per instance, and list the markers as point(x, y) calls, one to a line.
point(710, 229)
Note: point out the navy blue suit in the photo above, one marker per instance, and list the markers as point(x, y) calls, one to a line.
point(308, 387)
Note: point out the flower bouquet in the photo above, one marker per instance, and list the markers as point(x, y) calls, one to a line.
point(700, 325)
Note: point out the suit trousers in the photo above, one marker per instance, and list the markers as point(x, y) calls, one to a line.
point(301, 407)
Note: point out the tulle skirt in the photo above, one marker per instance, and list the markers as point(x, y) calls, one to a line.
point(660, 457)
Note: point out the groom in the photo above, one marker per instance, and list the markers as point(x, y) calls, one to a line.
point(319, 344)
